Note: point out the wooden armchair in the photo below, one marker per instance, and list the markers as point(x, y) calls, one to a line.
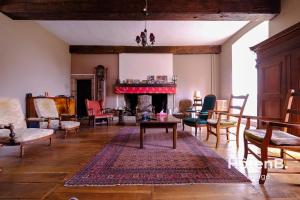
point(232, 120)
point(286, 138)
point(96, 111)
point(46, 109)
point(13, 129)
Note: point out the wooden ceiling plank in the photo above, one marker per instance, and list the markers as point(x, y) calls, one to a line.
point(85, 49)
point(131, 9)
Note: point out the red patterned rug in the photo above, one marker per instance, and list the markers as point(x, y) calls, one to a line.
point(121, 162)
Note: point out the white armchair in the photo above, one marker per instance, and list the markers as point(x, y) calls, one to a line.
point(46, 109)
point(13, 128)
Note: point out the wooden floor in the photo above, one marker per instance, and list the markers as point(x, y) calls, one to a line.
point(43, 170)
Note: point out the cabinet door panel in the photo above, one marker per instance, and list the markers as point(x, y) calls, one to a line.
point(295, 81)
point(271, 86)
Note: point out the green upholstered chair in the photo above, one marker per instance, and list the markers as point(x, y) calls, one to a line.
point(201, 120)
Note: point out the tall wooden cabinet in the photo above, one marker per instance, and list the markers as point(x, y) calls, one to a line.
point(278, 68)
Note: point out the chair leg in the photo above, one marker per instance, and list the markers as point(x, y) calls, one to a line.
point(245, 149)
point(182, 126)
point(167, 130)
point(66, 133)
point(208, 132)
point(218, 136)
point(107, 122)
point(237, 136)
point(264, 169)
point(196, 130)
point(21, 151)
point(76, 131)
point(50, 141)
point(227, 134)
point(283, 157)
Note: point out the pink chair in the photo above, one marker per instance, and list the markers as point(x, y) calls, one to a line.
point(96, 111)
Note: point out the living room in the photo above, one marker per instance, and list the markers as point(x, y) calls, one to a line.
point(131, 98)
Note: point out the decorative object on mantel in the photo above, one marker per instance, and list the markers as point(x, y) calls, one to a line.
point(142, 38)
point(174, 79)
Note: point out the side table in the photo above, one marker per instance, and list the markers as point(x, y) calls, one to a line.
point(121, 116)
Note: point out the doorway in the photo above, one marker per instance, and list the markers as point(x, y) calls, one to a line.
point(84, 91)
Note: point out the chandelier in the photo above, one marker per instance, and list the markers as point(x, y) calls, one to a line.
point(142, 39)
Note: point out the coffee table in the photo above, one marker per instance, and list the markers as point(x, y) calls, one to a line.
point(159, 122)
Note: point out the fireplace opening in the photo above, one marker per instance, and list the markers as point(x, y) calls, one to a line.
point(159, 101)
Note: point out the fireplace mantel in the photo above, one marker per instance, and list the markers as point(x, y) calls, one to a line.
point(145, 89)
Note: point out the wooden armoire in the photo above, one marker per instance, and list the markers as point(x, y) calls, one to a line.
point(278, 68)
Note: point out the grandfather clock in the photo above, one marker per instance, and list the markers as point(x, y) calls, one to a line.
point(101, 75)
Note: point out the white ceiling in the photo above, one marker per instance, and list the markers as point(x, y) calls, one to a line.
point(167, 33)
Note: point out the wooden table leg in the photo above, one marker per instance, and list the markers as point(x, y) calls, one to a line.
point(174, 136)
point(141, 137)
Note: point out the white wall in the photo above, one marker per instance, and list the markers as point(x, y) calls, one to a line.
point(32, 60)
point(139, 66)
point(196, 72)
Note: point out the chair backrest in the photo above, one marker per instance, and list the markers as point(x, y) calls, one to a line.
point(45, 108)
point(11, 113)
point(94, 107)
point(184, 104)
point(143, 102)
point(237, 103)
point(291, 112)
point(289, 108)
point(209, 103)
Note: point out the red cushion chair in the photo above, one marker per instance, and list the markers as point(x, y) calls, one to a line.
point(96, 111)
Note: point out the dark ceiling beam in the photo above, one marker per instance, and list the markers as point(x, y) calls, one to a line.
point(131, 9)
point(83, 49)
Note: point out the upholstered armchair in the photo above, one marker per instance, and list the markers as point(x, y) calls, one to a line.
point(96, 111)
point(280, 134)
point(13, 128)
point(144, 105)
point(203, 115)
point(47, 111)
point(184, 105)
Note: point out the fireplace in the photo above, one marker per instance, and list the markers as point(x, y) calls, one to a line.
point(159, 101)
